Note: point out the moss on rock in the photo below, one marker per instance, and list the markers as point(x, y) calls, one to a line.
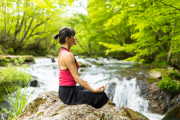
point(40, 113)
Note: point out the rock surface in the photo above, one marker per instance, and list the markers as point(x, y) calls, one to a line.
point(155, 74)
point(173, 114)
point(133, 115)
point(83, 64)
point(159, 100)
point(52, 57)
point(47, 106)
point(33, 83)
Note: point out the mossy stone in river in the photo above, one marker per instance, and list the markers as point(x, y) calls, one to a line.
point(83, 69)
point(151, 80)
point(83, 65)
point(97, 63)
point(173, 114)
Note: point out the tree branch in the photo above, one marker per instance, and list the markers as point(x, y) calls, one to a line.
point(26, 32)
point(83, 48)
point(169, 5)
point(36, 27)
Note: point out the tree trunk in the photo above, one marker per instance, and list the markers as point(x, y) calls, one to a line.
point(170, 53)
point(90, 50)
point(83, 48)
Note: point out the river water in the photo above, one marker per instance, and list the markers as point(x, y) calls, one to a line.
point(121, 87)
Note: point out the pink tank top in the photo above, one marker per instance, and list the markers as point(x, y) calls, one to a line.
point(65, 76)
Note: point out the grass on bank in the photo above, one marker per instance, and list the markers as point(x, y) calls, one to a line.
point(15, 74)
point(13, 78)
point(18, 103)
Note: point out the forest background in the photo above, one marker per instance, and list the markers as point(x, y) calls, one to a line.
point(145, 31)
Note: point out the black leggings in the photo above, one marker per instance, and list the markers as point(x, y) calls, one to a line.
point(73, 95)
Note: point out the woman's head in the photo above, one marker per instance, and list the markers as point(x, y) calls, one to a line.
point(63, 33)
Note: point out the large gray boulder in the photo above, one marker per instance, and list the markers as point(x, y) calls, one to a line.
point(159, 100)
point(47, 106)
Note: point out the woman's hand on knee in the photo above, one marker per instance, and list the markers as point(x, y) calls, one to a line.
point(100, 89)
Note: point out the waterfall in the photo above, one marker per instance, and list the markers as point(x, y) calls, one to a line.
point(42, 61)
point(127, 94)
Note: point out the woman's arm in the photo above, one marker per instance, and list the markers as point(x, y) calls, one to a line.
point(74, 71)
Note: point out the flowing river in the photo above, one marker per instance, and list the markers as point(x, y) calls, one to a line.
point(116, 75)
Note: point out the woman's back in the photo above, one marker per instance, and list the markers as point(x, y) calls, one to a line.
point(65, 76)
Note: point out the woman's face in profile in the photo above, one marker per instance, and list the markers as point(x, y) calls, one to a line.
point(73, 40)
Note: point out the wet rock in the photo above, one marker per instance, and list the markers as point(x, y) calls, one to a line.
point(4, 115)
point(97, 63)
point(83, 69)
point(33, 83)
point(175, 101)
point(47, 106)
point(110, 88)
point(5, 105)
point(155, 74)
point(52, 57)
point(111, 104)
point(129, 77)
point(159, 100)
point(131, 114)
point(144, 87)
point(83, 64)
point(173, 114)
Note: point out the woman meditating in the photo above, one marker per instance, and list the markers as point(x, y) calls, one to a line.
point(69, 93)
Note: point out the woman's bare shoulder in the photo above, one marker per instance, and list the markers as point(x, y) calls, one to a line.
point(67, 54)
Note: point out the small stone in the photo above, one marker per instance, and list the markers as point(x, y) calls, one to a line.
point(34, 83)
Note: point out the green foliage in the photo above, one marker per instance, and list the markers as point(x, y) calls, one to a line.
point(28, 28)
point(158, 69)
point(15, 74)
point(170, 85)
point(18, 103)
point(173, 74)
point(161, 57)
point(4, 61)
point(53, 52)
point(1, 50)
point(19, 60)
point(9, 51)
point(2, 94)
point(145, 29)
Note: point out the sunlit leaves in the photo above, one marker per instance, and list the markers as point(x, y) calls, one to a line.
point(151, 25)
